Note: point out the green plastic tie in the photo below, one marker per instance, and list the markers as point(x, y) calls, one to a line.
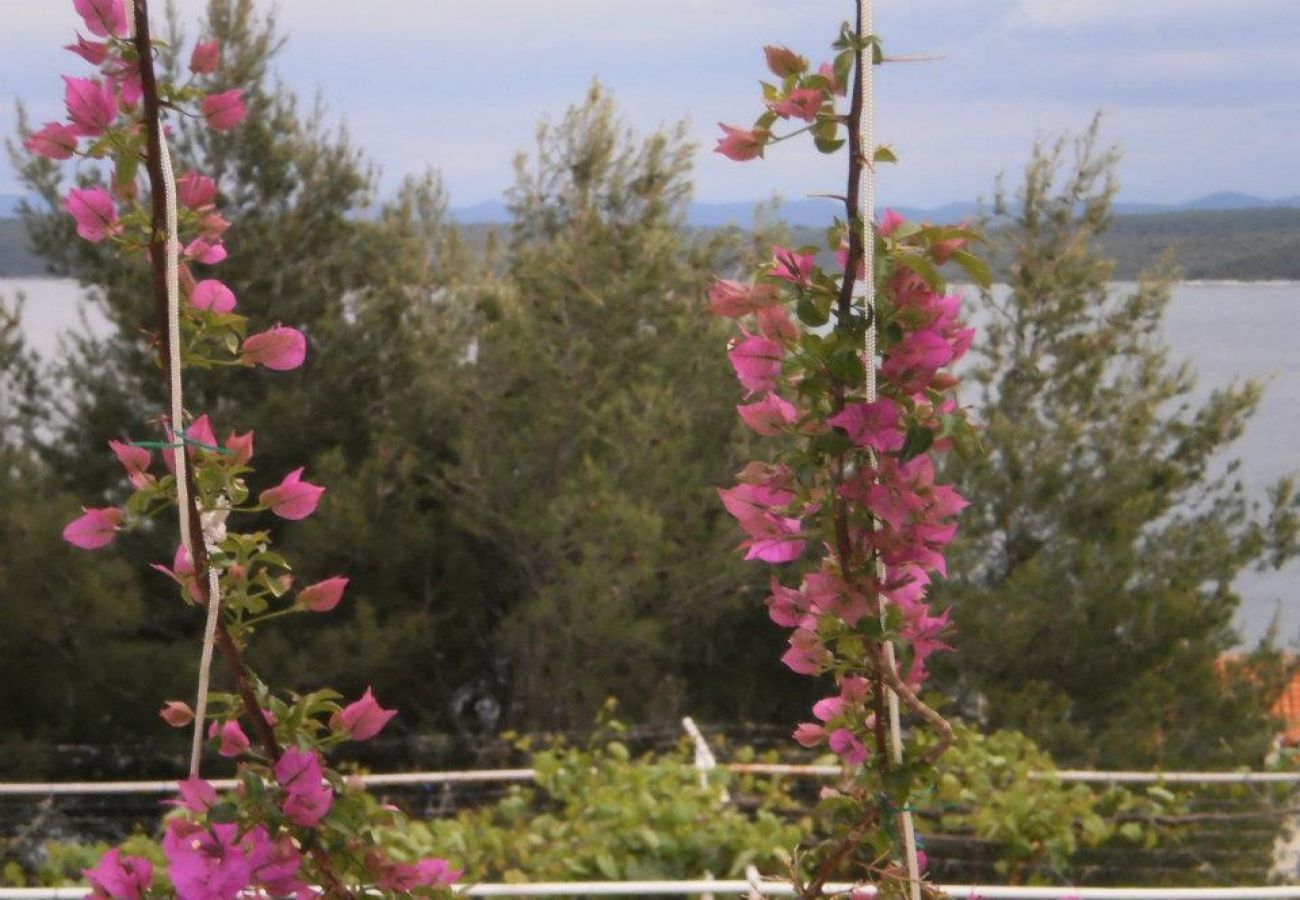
point(184, 439)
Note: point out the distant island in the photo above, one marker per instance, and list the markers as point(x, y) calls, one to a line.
point(1221, 236)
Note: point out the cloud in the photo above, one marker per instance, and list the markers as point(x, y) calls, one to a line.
point(1070, 14)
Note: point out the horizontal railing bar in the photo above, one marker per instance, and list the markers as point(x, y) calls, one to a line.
point(394, 779)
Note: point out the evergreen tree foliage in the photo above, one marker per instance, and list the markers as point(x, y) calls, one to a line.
point(598, 418)
point(369, 285)
point(1092, 584)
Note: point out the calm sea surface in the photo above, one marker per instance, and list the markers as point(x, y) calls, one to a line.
point(1226, 330)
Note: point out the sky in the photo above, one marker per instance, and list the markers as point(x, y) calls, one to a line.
point(1201, 96)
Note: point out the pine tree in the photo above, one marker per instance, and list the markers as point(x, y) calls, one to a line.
point(599, 419)
point(1092, 585)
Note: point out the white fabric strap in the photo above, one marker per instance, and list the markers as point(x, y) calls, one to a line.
point(865, 292)
point(177, 416)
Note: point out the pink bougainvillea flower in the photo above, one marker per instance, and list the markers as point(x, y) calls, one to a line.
point(828, 708)
point(93, 52)
point(774, 323)
point(200, 432)
point(53, 141)
point(196, 191)
point(769, 416)
point(787, 606)
point(406, 877)
point(809, 734)
point(225, 110)
point(215, 863)
point(913, 361)
point(280, 348)
point(213, 296)
point(94, 212)
point(278, 875)
point(827, 71)
point(120, 877)
point(307, 796)
point(106, 18)
point(802, 103)
point(777, 541)
point(207, 252)
point(136, 461)
point(94, 528)
point(846, 744)
point(92, 105)
point(944, 250)
point(784, 62)
point(362, 719)
point(206, 57)
point(233, 739)
point(757, 362)
point(196, 795)
point(925, 633)
point(807, 654)
point(242, 447)
point(292, 498)
point(124, 78)
point(827, 594)
point(791, 266)
point(748, 500)
point(212, 226)
point(323, 595)
point(889, 223)
point(182, 572)
point(741, 145)
point(733, 299)
point(176, 713)
point(874, 425)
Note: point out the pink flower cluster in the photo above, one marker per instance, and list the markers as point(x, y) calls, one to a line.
point(803, 96)
point(896, 512)
point(220, 861)
point(207, 859)
point(274, 839)
point(95, 104)
point(293, 498)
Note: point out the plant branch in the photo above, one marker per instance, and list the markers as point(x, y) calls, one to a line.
point(919, 706)
point(158, 260)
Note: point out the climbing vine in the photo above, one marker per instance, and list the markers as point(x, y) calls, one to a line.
point(844, 354)
point(291, 827)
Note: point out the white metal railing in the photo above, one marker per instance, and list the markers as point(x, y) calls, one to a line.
point(393, 779)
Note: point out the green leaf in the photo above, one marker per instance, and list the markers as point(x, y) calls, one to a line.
point(271, 558)
point(607, 866)
point(918, 440)
point(828, 146)
point(884, 155)
point(922, 267)
point(975, 267)
point(846, 367)
point(223, 813)
point(811, 313)
point(843, 66)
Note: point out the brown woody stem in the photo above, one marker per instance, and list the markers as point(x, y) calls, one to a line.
point(158, 262)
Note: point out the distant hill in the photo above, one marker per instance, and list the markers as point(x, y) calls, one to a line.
point(16, 260)
point(1218, 236)
point(1210, 243)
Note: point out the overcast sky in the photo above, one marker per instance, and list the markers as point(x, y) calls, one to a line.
point(1202, 96)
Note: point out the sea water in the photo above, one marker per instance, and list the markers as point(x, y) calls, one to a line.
point(1227, 331)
